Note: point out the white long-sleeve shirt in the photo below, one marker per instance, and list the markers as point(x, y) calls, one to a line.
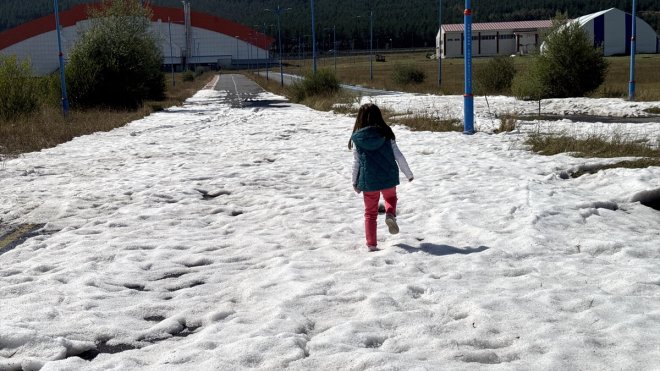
point(398, 157)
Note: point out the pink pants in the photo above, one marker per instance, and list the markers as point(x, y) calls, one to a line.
point(371, 211)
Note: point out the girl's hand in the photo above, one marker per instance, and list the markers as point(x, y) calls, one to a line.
point(411, 179)
point(356, 189)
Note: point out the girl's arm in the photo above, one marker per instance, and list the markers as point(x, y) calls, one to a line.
point(401, 161)
point(356, 168)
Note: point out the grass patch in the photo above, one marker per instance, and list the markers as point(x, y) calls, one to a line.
point(653, 110)
point(595, 146)
point(47, 128)
point(425, 122)
point(592, 146)
point(355, 69)
point(628, 164)
point(507, 123)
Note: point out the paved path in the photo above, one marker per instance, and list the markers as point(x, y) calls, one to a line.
point(242, 92)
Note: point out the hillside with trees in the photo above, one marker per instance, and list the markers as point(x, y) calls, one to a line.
point(396, 24)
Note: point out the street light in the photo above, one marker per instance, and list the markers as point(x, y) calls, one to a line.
point(633, 35)
point(334, 44)
point(439, 53)
point(313, 38)
point(371, 45)
point(236, 50)
point(278, 11)
point(169, 21)
point(65, 99)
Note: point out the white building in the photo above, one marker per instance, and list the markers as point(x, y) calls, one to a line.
point(611, 29)
point(196, 39)
point(491, 39)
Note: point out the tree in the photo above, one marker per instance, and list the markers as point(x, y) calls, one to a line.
point(117, 61)
point(18, 91)
point(495, 76)
point(568, 66)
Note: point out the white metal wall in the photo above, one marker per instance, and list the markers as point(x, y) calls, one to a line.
point(207, 46)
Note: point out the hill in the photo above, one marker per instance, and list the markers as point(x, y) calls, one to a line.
point(395, 23)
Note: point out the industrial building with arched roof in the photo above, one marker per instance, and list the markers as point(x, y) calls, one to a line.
point(186, 39)
point(609, 29)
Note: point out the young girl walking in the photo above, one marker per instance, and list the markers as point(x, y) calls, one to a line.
point(375, 170)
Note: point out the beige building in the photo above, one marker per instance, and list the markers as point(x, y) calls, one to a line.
point(491, 39)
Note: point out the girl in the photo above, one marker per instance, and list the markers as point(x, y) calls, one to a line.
point(375, 170)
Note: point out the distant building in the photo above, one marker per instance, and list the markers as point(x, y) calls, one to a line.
point(197, 39)
point(491, 39)
point(611, 29)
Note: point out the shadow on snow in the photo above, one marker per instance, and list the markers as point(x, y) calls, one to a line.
point(441, 250)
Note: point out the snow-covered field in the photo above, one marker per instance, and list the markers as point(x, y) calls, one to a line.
point(207, 237)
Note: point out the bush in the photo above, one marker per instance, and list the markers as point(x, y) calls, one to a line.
point(322, 83)
point(529, 85)
point(408, 74)
point(569, 65)
point(117, 61)
point(188, 75)
point(19, 94)
point(494, 77)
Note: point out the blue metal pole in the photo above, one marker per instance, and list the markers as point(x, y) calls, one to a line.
point(313, 39)
point(468, 99)
point(440, 46)
point(633, 47)
point(65, 99)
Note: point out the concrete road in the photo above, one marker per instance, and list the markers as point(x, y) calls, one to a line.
point(243, 92)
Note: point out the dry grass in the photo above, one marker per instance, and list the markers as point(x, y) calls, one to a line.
point(593, 146)
point(507, 123)
point(355, 70)
point(47, 128)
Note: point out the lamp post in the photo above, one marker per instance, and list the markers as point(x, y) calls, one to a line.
point(633, 47)
point(440, 46)
point(169, 26)
point(371, 45)
point(278, 11)
point(65, 99)
point(468, 99)
point(236, 50)
point(334, 44)
point(313, 38)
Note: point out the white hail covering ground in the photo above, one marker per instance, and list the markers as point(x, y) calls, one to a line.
point(500, 263)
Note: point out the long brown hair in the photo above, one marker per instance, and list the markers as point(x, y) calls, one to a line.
point(370, 115)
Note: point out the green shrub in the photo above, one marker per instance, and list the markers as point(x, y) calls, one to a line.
point(117, 61)
point(199, 70)
point(322, 83)
point(19, 95)
point(188, 75)
point(408, 74)
point(528, 85)
point(569, 65)
point(494, 77)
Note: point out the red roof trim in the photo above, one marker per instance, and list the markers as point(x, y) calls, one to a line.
point(79, 13)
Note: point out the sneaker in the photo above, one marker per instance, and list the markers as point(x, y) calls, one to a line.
point(372, 248)
point(390, 220)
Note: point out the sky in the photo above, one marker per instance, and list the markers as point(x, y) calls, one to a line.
point(208, 237)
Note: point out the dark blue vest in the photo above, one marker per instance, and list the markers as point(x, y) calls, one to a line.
point(378, 169)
